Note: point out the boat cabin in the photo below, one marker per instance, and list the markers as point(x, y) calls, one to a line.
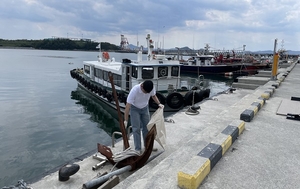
point(164, 73)
point(200, 60)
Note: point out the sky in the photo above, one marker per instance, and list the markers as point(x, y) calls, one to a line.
point(223, 25)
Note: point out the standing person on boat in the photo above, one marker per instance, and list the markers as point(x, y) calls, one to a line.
point(137, 104)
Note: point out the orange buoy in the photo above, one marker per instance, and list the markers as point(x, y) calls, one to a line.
point(105, 55)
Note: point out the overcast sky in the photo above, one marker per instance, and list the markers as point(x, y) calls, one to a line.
point(172, 23)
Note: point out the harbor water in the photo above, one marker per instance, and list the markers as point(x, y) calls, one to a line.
point(46, 120)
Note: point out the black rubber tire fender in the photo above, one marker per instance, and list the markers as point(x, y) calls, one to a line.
point(206, 93)
point(175, 100)
point(188, 97)
point(161, 98)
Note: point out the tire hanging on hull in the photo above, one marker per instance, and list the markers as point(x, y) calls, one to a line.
point(197, 96)
point(175, 100)
point(206, 93)
point(161, 98)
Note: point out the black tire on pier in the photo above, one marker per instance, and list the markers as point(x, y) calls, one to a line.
point(175, 100)
point(161, 98)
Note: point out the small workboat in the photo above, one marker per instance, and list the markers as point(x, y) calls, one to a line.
point(172, 91)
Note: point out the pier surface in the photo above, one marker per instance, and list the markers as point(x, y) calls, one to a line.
point(236, 141)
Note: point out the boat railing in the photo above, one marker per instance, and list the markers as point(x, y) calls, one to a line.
point(200, 82)
point(165, 84)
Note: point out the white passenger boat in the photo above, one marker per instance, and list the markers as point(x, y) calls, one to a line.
point(171, 90)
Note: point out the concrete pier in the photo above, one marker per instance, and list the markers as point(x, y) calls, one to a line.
point(236, 141)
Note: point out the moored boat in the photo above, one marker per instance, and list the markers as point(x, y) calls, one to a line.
point(207, 64)
point(171, 89)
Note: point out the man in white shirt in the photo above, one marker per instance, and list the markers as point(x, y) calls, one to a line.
point(137, 104)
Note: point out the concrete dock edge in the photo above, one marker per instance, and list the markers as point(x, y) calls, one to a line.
point(195, 171)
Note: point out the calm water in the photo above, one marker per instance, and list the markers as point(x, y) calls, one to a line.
point(45, 120)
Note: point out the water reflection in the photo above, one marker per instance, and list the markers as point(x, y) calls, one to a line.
point(100, 113)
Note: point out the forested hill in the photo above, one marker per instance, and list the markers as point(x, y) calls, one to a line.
point(57, 44)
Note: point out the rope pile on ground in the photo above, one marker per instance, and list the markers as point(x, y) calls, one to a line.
point(125, 154)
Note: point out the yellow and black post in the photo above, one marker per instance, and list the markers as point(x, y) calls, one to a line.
point(275, 66)
point(275, 62)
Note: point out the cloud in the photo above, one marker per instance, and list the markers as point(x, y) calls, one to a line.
point(222, 24)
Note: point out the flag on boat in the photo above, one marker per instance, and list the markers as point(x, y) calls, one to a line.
point(98, 47)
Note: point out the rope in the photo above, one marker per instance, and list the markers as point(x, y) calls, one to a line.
point(169, 120)
point(191, 111)
point(21, 185)
point(125, 154)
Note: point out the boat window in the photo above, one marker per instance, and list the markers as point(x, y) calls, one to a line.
point(105, 75)
point(175, 71)
point(117, 80)
point(134, 72)
point(95, 72)
point(162, 71)
point(147, 72)
point(87, 69)
point(98, 73)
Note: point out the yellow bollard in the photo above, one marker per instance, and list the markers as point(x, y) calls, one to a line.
point(275, 66)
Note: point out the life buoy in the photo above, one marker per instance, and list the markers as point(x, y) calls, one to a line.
point(161, 98)
point(175, 100)
point(105, 55)
point(163, 72)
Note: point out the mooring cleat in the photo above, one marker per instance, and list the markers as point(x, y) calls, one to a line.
point(66, 171)
point(194, 107)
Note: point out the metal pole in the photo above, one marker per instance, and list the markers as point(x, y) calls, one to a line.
point(104, 178)
point(98, 181)
point(275, 61)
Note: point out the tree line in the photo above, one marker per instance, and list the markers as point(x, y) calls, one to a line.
point(58, 44)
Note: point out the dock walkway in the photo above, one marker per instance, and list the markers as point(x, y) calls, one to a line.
point(216, 149)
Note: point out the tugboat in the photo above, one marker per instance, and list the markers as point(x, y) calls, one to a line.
point(171, 90)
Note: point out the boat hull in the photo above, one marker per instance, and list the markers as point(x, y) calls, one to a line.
point(213, 69)
point(252, 68)
point(176, 100)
